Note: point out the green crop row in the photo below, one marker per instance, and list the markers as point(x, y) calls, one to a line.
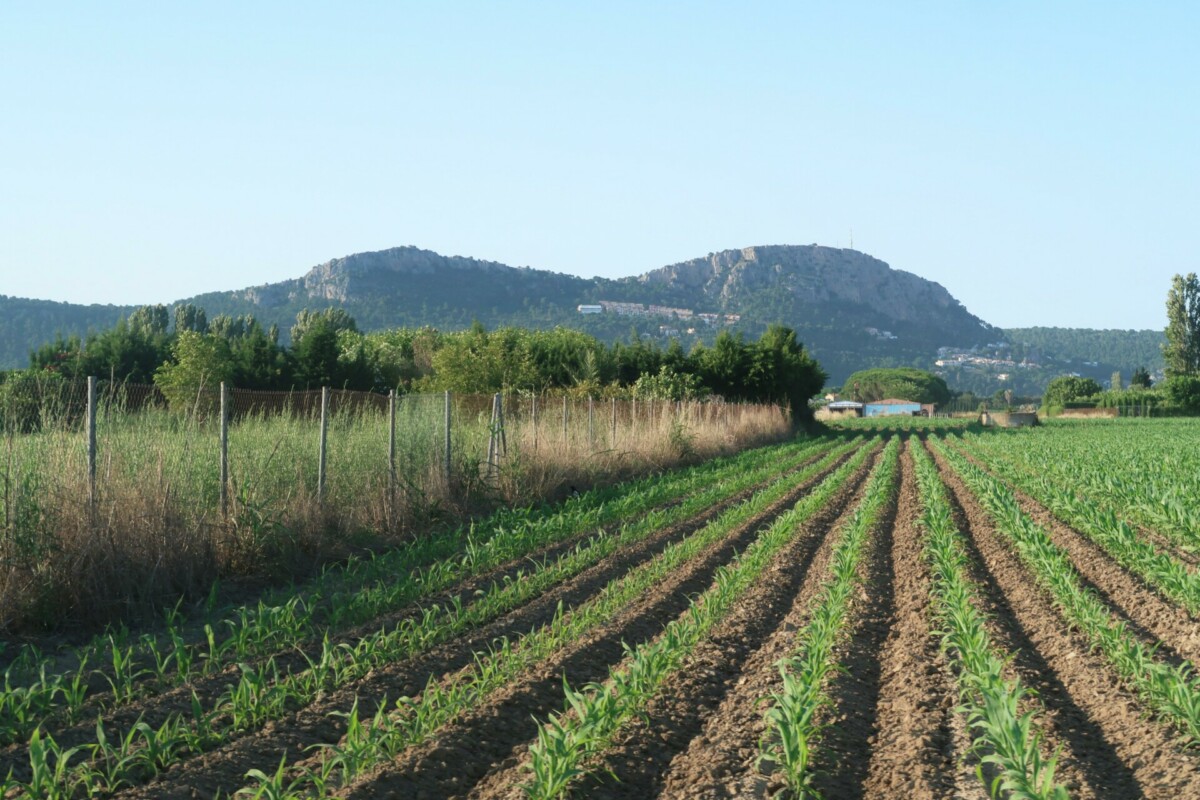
point(253, 631)
point(1173, 692)
point(1146, 470)
point(1007, 737)
point(262, 693)
point(592, 715)
point(1116, 537)
point(793, 724)
point(414, 720)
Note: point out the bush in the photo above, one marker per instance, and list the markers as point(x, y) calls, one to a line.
point(1183, 391)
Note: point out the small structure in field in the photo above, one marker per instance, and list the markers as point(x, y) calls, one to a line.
point(589, 309)
point(896, 407)
point(1008, 419)
point(839, 409)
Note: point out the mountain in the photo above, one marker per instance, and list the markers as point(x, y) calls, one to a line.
point(27, 324)
point(850, 310)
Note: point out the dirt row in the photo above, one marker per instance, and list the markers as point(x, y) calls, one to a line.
point(892, 729)
point(224, 769)
point(156, 708)
point(1109, 748)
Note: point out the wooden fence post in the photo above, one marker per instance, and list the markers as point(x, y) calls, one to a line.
point(224, 442)
point(591, 425)
point(321, 448)
point(564, 419)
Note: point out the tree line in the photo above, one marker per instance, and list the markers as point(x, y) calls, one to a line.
point(181, 350)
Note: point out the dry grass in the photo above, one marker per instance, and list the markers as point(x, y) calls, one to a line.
point(155, 533)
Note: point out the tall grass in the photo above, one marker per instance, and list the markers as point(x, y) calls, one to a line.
point(155, 532)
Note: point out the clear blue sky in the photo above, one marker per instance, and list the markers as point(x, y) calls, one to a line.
point(1038, 160)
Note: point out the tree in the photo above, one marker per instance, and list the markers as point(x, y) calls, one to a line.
point(199, 362)
point(1068, 389)
point(190, 318)
point(1140, 377)
point(1183, 391)
point(1115, 382)
point(1182, 350)
point(901, 383)
point(336, 318)
point(149, 321)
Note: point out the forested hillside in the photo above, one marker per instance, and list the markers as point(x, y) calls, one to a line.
point(1118, 349)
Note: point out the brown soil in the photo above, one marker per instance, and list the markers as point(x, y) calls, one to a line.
point(1109, 747)
point(225, 769)
point(494, 738)
point(1145, 611)
point(912, 749)
point(155, 709)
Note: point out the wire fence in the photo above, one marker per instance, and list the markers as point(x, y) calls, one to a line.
point(226, 447)
point(114, 496)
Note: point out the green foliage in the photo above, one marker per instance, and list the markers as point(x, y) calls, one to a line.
point(1067, 389)
point(199, 362)
point(668, 384)
point(335, 318)
point(30, 399)
point(1183, 391)
point(1182, 349)
point(1140, 377)
point(916, 385)
point(189, 317)
point(1109, 349)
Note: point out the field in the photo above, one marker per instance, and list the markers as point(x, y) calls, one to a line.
point(879, 612)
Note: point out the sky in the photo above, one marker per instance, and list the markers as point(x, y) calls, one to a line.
point(1039, 160)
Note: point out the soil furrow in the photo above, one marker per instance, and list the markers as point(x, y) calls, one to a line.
point(720, 760)
point(1110, 749)
point(634, 765)
point(1147, 613)
point(492, 737)
point(913, 748)
point(225, 769)
point(177, 699)
point(843, 752)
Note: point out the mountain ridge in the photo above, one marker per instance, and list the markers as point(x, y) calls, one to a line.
point(850, 309)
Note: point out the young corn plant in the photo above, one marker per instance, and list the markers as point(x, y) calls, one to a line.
point(1168, 690)
point(793, 720)
point(592, 716)
point(1009, 739)
point(416, 719)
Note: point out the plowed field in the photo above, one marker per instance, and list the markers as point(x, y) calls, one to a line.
point(882, 615)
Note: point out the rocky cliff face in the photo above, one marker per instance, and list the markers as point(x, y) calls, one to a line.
point(810, 275)
point(341, 280)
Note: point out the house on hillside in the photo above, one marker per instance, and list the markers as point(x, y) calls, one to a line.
point(893, 407)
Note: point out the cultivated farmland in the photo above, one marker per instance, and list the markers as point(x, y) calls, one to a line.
point(926, 612)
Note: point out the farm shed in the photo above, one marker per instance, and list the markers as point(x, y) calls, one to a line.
point(840, 408)
point(892, 407)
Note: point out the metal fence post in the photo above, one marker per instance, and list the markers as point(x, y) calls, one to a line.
point(492, 423)
point(91, 440)
point(392, 456)
point(533, 421)
point(613, 439)
point(224, 441)
point(321, 450)
point(446, 470)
